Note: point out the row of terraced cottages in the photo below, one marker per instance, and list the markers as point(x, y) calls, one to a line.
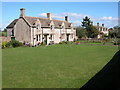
point(34, 30)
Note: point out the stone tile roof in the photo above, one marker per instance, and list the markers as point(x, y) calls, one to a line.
point(57, 23)
point(11, 25)
point(67, 25)
point(45, 22)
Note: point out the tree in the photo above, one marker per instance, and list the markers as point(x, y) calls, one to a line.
point(86, 22)
point(117, 31)
point(118, 35)
point(114, 32)
point(5, 30)
point(92, 32)
point(80, 32)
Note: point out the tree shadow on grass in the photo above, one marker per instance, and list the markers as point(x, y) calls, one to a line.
point(108, 78)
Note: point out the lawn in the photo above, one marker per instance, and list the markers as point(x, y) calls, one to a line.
point(55, 66)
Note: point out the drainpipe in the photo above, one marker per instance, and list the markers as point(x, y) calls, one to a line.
point(60, 34)
point(42, 34)
point(66, 34)
point(33, 35)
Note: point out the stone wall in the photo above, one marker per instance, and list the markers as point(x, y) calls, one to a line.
point(22, 31)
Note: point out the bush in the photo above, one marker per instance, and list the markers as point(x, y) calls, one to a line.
point(42, 44)
point(4, 45)
point(8, 44)
point(13, 43)
point(117, 43)
point(63, 42)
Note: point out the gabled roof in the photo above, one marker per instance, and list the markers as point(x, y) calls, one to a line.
point(11, 25)
point(45, 22)
point(57, 23)
point(67, 25)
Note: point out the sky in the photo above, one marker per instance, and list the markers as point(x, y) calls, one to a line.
point(102, 12)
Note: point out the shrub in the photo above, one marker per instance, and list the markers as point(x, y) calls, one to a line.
point(8, 44)
point(4, 45)
point(42, 43)
point(13, 43)
point(63, 42)
point(116, 42)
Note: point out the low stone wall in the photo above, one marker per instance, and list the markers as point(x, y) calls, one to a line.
point(4, 39)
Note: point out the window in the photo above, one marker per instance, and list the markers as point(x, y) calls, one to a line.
point(38, 26)
point(12, 33)
point(62, 27)
point(51, 36)
point(37, 37)
point(52, 27)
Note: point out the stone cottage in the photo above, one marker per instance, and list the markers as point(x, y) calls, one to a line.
point(102, 29)
point(34, 30)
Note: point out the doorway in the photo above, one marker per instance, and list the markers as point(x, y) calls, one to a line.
point(68, 37)
point(45, 39)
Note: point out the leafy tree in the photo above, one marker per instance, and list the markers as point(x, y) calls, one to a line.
point(86, 22)
point(118, 35)
point(117, 31)
point(92, 32)
point(5, 30)
point(81, 32)
point(114, 32)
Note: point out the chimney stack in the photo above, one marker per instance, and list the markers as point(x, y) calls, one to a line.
point(22, 12)
point(102, 25)
point(49, 16)
point(66, 18)
point(98, 24)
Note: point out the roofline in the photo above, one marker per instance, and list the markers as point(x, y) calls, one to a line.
point(50, 20)
point(26, 21)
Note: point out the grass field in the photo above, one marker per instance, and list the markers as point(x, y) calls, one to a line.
point(55, 66)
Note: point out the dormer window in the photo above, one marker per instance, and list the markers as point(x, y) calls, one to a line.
point(38, 26)
point(52, 27)
point(62, 27)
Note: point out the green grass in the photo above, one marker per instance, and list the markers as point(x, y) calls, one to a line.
point(55, 66)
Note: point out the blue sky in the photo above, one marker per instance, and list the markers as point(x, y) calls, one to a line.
point(103, 12)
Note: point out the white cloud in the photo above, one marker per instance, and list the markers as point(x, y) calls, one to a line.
point(104, 18)
point(108, 21)
point(76, 18)
point(58, 16)
point(61, 15)
point(73, 17)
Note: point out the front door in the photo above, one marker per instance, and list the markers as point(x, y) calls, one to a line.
point(67, 37)
point(45, 39)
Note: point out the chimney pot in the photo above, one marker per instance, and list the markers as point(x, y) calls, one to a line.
point(22, 12)
point(102, 25)
point(97, 24)
point(66, 18)
point(49, 16)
